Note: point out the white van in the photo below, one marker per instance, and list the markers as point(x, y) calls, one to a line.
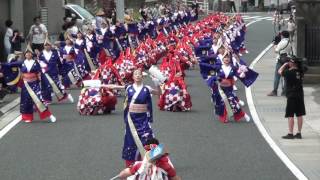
point(74, 10)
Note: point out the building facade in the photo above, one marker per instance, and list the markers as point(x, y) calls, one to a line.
point(308, 37)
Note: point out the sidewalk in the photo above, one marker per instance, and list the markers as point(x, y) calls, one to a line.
point(305, 153)
point(9, 109)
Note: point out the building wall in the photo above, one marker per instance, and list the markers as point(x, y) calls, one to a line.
point(56, 13)
point(31, 10)
point(4, 15)
point(16, 14)
point(307, 15)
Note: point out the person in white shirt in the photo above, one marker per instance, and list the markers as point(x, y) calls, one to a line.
point(7, 36)
point(283, 48)
point(38, 34)
point(291, 28)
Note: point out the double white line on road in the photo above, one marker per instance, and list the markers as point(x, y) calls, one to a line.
point(284, 158)
point(257, 18)
point(251, 17)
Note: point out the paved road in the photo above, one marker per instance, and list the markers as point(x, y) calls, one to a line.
point(89, 147)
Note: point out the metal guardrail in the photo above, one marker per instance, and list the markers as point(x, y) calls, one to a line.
point(312, 44)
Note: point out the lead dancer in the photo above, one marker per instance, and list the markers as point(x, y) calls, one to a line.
point(137, 117)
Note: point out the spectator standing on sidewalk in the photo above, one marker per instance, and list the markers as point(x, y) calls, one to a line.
point(224, 6)
point(244, 5)
point(3, 92)
point(16, 40)
point(292, 72)
point(279, 21)
point(291, 27)
point(232, 6)
point(143, 12)
point(283, 49)
point(7, 36)
point(38, 34)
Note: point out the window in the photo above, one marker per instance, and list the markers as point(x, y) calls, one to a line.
point(83, 12)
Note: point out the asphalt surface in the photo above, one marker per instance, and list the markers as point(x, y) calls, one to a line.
point(89, 147)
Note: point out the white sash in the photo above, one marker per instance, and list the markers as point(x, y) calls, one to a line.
point(55, 88)
point(226, 102)
point(130, 41)
point(107, 52)
point(41, 107)
point(90, 62)
point(119, 45)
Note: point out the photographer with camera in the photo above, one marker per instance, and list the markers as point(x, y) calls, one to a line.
point(283, 49)
point(293, 72)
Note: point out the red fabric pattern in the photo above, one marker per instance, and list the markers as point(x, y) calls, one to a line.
point(239, 116)
point(26, 117)
point(163, 163)
point(45, 114)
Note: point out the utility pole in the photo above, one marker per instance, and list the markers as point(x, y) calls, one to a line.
point(120, 10)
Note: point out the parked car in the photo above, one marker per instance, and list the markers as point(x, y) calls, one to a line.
point(74, 10)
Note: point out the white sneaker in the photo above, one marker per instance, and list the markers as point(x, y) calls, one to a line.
point(52, 118)
point(241, 103)
point(70, 98)
point(247, 117)
point(247, 51)
point(235, 88)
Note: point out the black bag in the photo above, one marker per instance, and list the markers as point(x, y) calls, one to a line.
point(276, 39)
point(283, 58)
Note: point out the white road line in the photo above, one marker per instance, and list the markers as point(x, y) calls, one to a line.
point(248, 24)
point(6, 129)
point(263, 18)
point(252, 17)
point(292, 167)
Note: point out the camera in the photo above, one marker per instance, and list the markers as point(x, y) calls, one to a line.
point(276, 39)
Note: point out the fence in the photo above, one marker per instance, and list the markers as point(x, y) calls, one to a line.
point(312, 44)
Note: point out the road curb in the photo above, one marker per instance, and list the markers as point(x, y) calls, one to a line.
point(9, 113)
